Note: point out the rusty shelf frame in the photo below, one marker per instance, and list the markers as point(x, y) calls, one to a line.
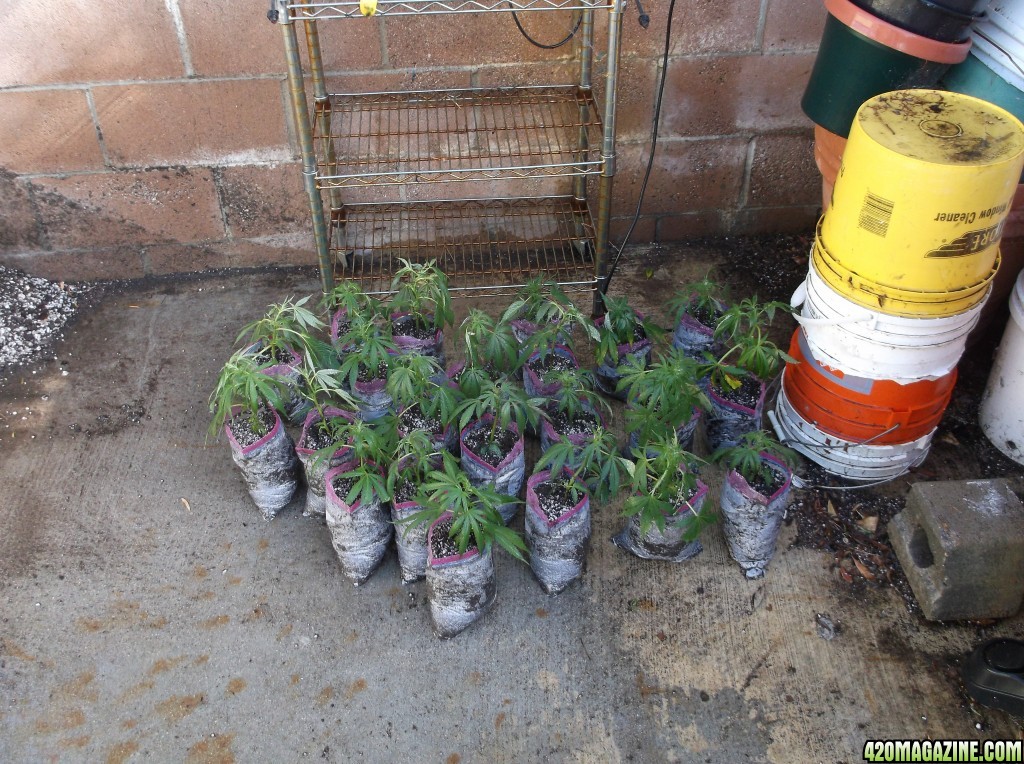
point(445, 136)
point(347, 9)
point(485, 246)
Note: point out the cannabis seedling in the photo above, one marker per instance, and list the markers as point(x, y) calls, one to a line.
point(244, 383)
point(663, 480)
point(622, 326)
point(421, 290)
point(703, 299)
point(747, 457)
point(505, 402)
point(285, 328)
point(595, 465)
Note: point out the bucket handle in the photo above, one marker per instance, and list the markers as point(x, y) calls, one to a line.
point(800, 297)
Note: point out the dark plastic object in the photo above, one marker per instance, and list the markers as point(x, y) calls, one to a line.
point(994, 675)
point(945, 20)
point(851, 68)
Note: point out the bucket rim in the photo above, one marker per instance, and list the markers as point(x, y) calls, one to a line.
point(864, 22)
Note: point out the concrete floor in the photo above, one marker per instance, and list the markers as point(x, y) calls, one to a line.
point(148, 613)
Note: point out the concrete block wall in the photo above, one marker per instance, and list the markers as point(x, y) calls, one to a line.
point(152, 136)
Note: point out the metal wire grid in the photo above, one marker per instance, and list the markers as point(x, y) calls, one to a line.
point(352, 8)
point(457, 135)
point(485, 246)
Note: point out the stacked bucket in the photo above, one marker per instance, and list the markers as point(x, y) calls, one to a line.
point(902, 265)
point(870, 47)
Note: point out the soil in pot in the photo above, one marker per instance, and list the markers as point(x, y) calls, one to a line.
point(460, 586)
point(576, 428)
point(559, 359)
point(266, 459)
point(315, 437)
point(752, 519)
point(557, 532)
point(360, 533)
point(495, 451)
point(607, 374)
point(734, 412)
point(413, 418)
point(668, 545)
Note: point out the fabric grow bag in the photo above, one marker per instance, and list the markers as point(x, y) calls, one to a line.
point(506, 478)
point(460, 587)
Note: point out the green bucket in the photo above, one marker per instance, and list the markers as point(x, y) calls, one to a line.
point(851, 68)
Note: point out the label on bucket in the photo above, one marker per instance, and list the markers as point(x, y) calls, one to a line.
point(875, 214)
point(970, 243)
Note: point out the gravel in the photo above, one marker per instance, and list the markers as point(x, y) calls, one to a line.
point(33, 313)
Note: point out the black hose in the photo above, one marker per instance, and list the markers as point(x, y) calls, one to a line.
point(579, 20)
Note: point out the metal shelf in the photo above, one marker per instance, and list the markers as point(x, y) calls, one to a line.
point(353, 8)
point(485, 246)
point(437, 136)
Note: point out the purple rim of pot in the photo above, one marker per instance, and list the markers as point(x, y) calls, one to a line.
point(550, 388)
point(436, 562)
point(692, 323)
point(533, 502)
point(313, 417)
point(406, 341)
point(331, 493)
point(277, 369)
point(634, 347)
point(738, 406)
point(370, 386)
point(737, 481)
point(517, 449)
point(246, 450)
point(576, 438)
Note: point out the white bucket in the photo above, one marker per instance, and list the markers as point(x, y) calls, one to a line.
point(1002, 406)
point(862, 462)
point(998, 41)
point(866, 343)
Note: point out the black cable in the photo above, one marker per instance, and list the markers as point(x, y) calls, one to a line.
point(579, 20)
point(654, 146)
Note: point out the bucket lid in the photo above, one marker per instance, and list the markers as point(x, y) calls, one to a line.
point(943, 128)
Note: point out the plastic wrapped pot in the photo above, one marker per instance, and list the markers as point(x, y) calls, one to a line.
point(316, 469)
point(506, 477)
point(268, 465)
point(668, 545)
point(549, 434)
point(751, 520)
point(360, 533)
point(411, 542)
point(557, 538)
point(372, 398)
point(533, 382)
point(607, 374)
point(460, 586)
point(693, 338)
point(407, 343)
point(728, 420)
point(297, 405)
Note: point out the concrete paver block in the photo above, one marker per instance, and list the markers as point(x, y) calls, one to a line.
point(961, 545)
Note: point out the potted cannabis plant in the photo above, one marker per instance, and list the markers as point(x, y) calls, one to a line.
point(738, 379)
point(491, 427)
point(425, 399)
point(322, 386)
point(558, 504)
point(281, 339)
point(416, 455)
point(541, 304)
point(464, 524)
point(491, 352)
point(345, 300)
point(576, 412)
point(623, 334)
point(356, 497)
point(665, 397)
point(364, 370)
point(420, 308)
point(754, 498)
point(695, 310)
point(244, 404)
point(665, 510)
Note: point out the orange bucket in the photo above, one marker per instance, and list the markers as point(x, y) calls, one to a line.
point(828, 155)
point(862, 410)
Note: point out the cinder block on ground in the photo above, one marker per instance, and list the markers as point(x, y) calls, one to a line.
point(961, 545)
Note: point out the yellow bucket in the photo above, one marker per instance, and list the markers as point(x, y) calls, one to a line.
point(893, 301)
point(925, 184)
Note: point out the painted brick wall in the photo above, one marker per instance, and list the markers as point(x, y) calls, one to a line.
point(152, 136)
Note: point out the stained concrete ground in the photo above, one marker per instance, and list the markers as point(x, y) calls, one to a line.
point(148, 613)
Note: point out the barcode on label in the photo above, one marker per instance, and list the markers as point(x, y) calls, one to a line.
point(875, 214)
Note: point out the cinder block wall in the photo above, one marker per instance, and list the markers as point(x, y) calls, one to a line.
point(152, 136)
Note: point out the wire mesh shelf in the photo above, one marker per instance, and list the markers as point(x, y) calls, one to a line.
point(485, 246)
point(353, 8)
point(368, 139)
